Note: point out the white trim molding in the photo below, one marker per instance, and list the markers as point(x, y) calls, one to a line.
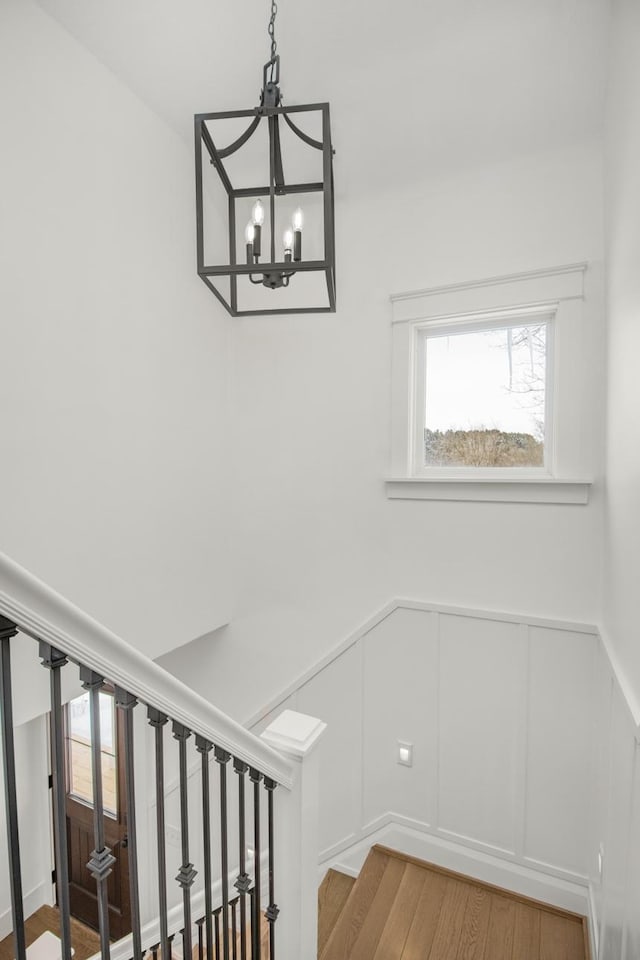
point(33, 900)
point(493, 489)
point(556, 293)
point(619, 676)
point(296, 824)
point(614, 854)
point(530, 287)
point(294, 734)
point(592, 917)
point(512, 652)
point(406, 603)
point(392, 830)
point(43, 614)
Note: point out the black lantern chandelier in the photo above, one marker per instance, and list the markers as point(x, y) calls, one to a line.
point(256, 178)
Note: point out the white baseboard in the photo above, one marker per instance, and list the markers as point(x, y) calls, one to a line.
point(32, 901)
point(566, 894)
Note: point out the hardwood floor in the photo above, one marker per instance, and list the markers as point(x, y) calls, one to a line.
point(84, 941)
point(332, 897)
point(401, 908)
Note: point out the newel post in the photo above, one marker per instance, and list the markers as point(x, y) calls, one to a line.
point(297, 848)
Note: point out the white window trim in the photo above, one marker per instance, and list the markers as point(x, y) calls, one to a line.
point(557, 296)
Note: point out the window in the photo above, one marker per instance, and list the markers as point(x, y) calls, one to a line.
point(483, 395)
point(79, 751)
point(492, 389)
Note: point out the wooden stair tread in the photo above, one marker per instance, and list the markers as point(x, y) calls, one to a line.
point(346, 931)
point(332, 896)
point(236, 951)
point(402, 908)
point(85, 942)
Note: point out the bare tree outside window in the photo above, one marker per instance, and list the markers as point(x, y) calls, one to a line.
point(485, 397)
point(530, 385)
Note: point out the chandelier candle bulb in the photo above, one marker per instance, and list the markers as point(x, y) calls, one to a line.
point(249, 236)
point(258, 219)
point(288, 244)
point(258, 213)
point(298, 221)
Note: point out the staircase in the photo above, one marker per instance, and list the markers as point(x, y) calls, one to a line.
point(401, 908)
point(233, 835)
point(246, 806)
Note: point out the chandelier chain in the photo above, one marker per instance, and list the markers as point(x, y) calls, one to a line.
point(272, 28)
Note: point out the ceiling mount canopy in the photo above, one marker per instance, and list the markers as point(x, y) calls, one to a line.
point(257, 170)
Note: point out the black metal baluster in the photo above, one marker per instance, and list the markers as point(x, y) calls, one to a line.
point(200, 938)
point(8, 629)
point(234, 927)
point(187, 872)
point(54, 660)
point(126, 702)
point(102, 860)
point(223, 758)
point(252, 915)
point(255, 776)
point(272, 911)
point(204, 747)
point(217, 927)
point(154, 951)
point(243, 882)
point(158, 721)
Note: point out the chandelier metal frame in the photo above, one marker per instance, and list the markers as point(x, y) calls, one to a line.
point(272, 274)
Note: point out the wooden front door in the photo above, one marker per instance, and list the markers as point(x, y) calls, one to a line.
point(79, 810)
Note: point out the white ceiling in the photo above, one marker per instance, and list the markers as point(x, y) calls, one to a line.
point(416, 87)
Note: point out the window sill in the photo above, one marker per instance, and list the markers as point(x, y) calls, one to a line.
point(491, 489)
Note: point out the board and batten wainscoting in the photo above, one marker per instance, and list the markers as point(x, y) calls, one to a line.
point(500, 711)
point(614, 868)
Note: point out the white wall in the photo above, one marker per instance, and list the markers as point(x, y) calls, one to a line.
point(113, 395)
point(527, 754)
point(616, 826)
point(319, 544)
point(32, 767)
point(499, 710)
point(116, 445)
point(622, 569)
